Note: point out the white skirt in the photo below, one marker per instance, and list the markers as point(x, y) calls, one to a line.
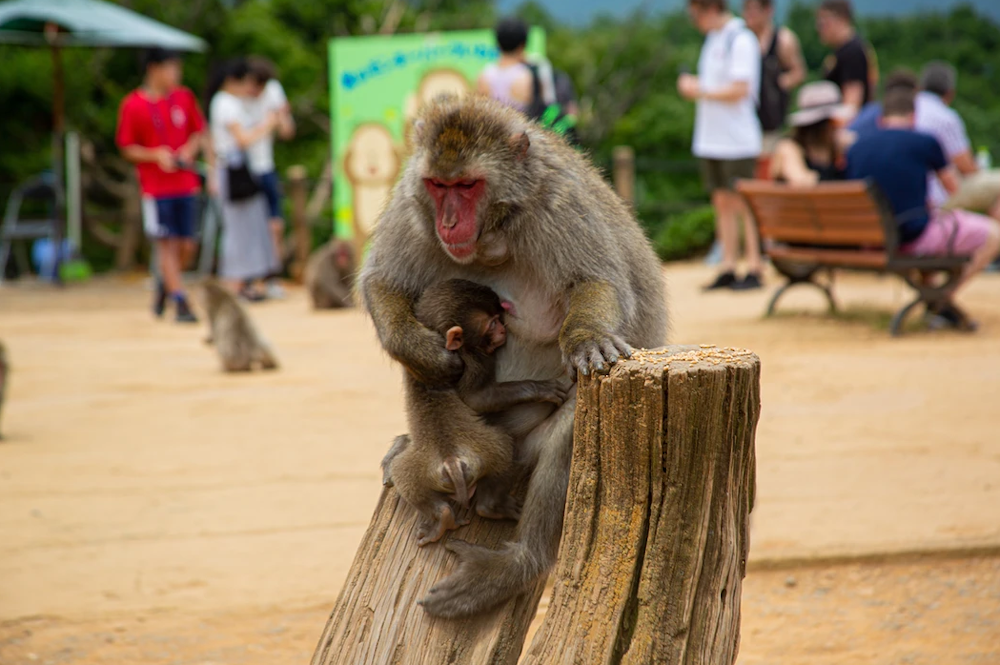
point(247, 245)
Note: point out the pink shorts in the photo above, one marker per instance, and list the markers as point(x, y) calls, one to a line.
point(970, 231)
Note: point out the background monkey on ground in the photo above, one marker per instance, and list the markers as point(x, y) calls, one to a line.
point(4, 379)
point(490, 197)
point(233, 333)
point(454, 447)
point(329, 275)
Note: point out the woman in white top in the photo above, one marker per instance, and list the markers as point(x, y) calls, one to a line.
point(247, 253)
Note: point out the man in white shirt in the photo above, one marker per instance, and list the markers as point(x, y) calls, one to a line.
point(727, 133)
point(266, 97)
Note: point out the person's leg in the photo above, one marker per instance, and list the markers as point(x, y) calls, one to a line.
point(151, 225)
point(725, 223)
point(276, 224)
point(743, 169)
point(963, 233)
point(177, 216)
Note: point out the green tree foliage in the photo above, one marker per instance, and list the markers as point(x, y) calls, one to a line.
point(625, 72)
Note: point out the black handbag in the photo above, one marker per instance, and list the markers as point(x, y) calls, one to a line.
point(242, 184)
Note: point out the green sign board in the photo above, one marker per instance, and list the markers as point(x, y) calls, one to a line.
point(377, 85)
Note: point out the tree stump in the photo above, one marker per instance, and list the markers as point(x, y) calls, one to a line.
point(654, 544)
point(377, 620)
point(655, 540)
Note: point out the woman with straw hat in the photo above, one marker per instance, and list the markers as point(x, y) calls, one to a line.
point(814, 150)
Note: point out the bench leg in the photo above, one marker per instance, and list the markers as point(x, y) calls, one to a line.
point(896, 326)
point(801, 275)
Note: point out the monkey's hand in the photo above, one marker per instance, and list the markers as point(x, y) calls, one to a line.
point(433, 530)
point(554, 391)
point(587, 338)
point(484, 579)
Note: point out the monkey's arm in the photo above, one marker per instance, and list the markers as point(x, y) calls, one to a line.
point(589, 338)
point(498, 397)
point(420, 349)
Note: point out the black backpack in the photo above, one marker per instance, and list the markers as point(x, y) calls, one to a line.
point(551, 113)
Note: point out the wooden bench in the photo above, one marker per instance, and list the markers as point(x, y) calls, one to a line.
point(841, 226)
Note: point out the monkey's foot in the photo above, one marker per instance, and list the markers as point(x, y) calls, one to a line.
point(598, 354)
point(484, 579)
point(499, 507)
point(432, 531)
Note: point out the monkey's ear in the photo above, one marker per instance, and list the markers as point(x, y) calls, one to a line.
point(519, 144)
point(453, 338)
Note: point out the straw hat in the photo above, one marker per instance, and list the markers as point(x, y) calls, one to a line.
point(818, 101)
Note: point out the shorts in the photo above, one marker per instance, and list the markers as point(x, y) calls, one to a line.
point(978, 193)
point(271, 188)
point(169, 216)
point(971, 231)
point(719, 174)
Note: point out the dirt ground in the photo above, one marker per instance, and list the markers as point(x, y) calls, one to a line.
point(155, 510)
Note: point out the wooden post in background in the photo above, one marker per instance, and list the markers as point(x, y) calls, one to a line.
point(655, 541)
point(302, 237)
point(654, 544)
point(623, 172)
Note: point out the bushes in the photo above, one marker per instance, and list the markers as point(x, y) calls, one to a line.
point(684, 234)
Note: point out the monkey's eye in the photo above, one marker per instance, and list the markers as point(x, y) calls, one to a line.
point(465, 184)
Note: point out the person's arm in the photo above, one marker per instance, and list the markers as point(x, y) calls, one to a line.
point(790, 55)
point(247, 137)
point(949, 179)
point(791, 165)
point(162, 156)
point(854, 95)
point(965, 163)
point(286, 123)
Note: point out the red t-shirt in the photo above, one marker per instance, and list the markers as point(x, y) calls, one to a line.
point(169, 121)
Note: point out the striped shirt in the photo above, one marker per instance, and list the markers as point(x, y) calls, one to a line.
point(935, 118)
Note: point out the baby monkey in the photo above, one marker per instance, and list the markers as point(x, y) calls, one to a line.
point(455, 449)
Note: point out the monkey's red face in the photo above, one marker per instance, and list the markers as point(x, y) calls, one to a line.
point(456, 203)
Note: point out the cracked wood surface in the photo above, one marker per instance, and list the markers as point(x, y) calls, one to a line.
point(376, 620)
point(656, 536)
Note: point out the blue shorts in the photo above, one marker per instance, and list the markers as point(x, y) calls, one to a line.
point(169, 217)
point(271, 187)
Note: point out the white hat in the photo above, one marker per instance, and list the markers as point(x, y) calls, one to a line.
point(818, 101)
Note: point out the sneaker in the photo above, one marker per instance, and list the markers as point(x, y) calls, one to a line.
point(251, 295)
point(949, 315)
point(723, 281)
point(159, 299)
point(748, 283)
point(184, 313)
point(274, 290)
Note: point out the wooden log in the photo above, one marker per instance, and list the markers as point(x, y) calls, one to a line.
point(300, 225)
point(376, 619)
point(655, 539)
point(654, 544)
point(623, 172)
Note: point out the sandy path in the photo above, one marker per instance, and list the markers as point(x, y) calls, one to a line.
point(137, 480)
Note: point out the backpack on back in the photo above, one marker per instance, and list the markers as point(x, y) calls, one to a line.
point(546, 108)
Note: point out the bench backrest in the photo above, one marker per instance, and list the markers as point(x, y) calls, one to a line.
point(840, 214)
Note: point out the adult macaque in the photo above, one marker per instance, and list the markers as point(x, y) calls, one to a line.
point(329, 275)
point(490, 197)
point(454, 447)
point(233, 333)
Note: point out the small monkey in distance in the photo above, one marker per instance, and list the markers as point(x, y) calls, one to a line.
point(233, 333)
point(454, 448)
point(4, 376)
point(329, 275)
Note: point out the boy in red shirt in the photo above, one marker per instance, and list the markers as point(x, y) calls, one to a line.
point(160, 130)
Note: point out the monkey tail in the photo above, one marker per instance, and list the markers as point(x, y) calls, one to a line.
point(455, 470)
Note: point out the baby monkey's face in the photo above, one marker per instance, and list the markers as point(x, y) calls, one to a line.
point(494, 333)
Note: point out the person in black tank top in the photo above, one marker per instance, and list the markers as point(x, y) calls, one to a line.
point(782, 70)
